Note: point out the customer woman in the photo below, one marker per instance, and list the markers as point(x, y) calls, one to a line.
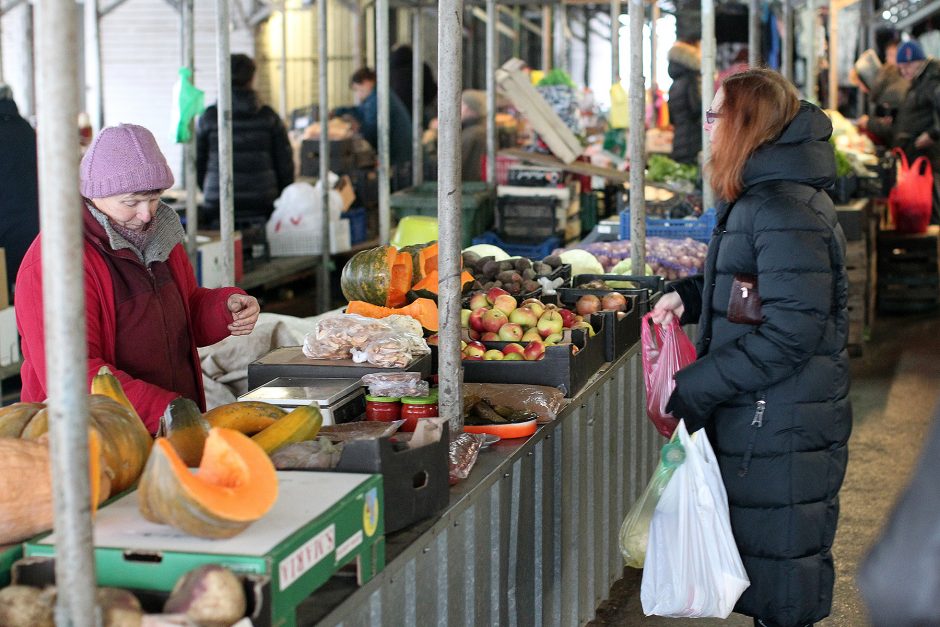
point(144, 313)
point(772, 393)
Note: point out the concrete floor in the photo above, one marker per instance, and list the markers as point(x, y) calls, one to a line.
point(895, 388)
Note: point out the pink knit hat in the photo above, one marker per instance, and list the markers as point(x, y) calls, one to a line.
point(123, 159)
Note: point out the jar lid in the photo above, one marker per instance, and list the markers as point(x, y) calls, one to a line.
point(382, 399)
point(419, 400)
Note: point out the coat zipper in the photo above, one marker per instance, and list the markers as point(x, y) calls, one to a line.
point(757, 422)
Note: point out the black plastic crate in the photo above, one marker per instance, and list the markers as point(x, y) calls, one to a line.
point(647, 292)
point(620, 334)
point(526, 218)
point(524, 176)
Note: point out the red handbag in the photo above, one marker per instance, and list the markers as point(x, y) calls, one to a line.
point(911, 199)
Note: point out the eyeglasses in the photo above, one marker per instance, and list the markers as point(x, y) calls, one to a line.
point(711, 116)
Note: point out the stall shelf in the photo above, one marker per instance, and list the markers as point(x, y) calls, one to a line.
point(531, 537)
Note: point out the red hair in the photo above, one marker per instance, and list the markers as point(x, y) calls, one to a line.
point(758, 104)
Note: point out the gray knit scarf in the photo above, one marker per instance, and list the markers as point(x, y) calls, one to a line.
point(150, 245)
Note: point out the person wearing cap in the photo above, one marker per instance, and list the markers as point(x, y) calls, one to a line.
point(887, 91)
point(19, 192)
point(144, 313)
point(473, 133)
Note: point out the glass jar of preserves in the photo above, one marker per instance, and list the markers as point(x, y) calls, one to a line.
point(383, 408)
point(413, 408)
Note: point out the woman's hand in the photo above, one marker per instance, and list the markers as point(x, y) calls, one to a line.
point(667, 307)
point(245, 310)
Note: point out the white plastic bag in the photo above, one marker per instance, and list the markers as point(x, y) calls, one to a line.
point(296, 224)
point(693, 568)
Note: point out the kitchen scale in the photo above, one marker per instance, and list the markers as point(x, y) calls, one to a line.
point(339, 400)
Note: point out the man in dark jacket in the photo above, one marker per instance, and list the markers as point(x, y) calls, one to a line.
point(887, 91)
point(263, 163)
point(401, 81)
point(19, 195)
point(685, 100)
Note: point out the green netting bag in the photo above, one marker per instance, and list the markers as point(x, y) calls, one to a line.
point(188, 103)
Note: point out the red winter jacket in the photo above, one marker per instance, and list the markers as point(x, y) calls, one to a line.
point(207, 315)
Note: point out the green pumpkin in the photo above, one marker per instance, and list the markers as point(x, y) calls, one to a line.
point(380, 276)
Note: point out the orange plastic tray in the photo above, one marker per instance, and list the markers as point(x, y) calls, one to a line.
point(506, 432)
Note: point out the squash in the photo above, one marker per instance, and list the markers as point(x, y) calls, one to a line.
point(431, 283)
point(424, 310)
point(424, 259)
point(26, 485)
point(248, 417)
point(183, 425)
point(381, 276)
point(15, 417)
point(106, 384)
point(303, 423)
point(236, 484)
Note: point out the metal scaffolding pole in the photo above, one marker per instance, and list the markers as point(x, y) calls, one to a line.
point(26, 101)
point(64, 312)
point(812, 61)
point(753, 33)
point(226, 187)
point(492, 60)
point(358, 53)
point(786, 45)
point(654, 47)
point(449, 51)
point(614, 41)
point(383, 88)
point(417, 98)
point(323, 67)
point(637, 137)
point(708, 91)
point(546, 37)
point(283, 76)
point(94, 102)
point(833, 56)
point(188, 30)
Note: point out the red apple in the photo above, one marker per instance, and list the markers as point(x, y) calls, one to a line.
point(614, 301)
point(534, 351)
point(531, 335)
point(490, 336)
point(493, 319)
point(513, 348)
point(535, 305)
point(567, 316)
point(493, 355)
point(474, 349)
point(473, 358)
point(550, 322)
point(474, 335)
point(478, 300)
point(494, 293)
point(588, 304)
point(476, 319)
point(505, 303)
point(524, 317)
point(510, 332)
point(465, 318)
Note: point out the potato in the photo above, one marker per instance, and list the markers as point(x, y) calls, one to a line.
point(211, 595)
point(25, 606)
point(119, 608)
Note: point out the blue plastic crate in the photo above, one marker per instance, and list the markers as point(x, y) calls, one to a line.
point(538, 250)
point(699, 229)
point(357, 224)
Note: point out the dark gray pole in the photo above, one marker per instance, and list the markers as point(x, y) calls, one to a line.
point(226, 188)
point(614, 41)
point(383, 87)
point(786, 46)
point(492, 61)
point(708, 91)
point(637, 138)
point(417, 97)
point(323, 66)
point(189, 148)
point(753, 33)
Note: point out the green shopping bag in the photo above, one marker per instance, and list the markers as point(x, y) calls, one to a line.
point(188, 103)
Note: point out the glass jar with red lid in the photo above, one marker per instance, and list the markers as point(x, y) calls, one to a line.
point(383, 408)
point(413, 408)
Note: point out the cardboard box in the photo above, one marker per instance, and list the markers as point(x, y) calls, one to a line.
point(320, 523)
point(4, 290)
point(9, 338)
point(209, 259)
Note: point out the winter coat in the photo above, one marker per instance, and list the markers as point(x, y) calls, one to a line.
point(473, 149)
point(19, 187)
point(262, 159)
point(401, 82)
point(919, 112)
point(399, 129)
point(886, 95)
point(782, 472)
point(685, 102)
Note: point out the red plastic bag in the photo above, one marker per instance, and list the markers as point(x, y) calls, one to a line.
point(911, 199)
point(663, 356)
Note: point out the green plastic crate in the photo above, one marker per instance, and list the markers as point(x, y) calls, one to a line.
point(476, 203)
point(588, 211)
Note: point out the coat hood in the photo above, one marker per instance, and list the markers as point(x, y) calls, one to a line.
point(801, 154)
point(683, 58)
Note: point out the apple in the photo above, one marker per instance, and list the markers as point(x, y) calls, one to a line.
point(510, 332)
point(475, 349)
point(463, 345)
point(531, 335)
point(473, 358)
point(493, 354)
point(550, 322)
point(478, 300)
point(614, 301)
point(586, 326)
point(534, 351)
point(567, 316)
point(505, 303)
point(465, 318)
point(513, 357)
point(535, 305)
point(588, 304)
point(493, 319)
point(513, 348)
point(474, 335)
point(432, 340)
point(551, 307)
point(524, 317)
point(476, 319)
point(554, 338)
point(494, 293)
point(490, 336)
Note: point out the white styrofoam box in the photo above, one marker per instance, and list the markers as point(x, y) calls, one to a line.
point(9, 338)
point(302, 241)
point(209, 259)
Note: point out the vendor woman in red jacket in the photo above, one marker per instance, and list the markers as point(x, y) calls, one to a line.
point(145, 315)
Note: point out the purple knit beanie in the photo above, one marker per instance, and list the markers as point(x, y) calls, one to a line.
point(124, 159)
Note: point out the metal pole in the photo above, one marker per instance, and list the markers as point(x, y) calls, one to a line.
point(226, 188)
point(93, 91)
point(27, 100)
point(654, 48)
point(517, 24)
point(708, 91)
point(449, 52)
point(614, 41)
point(812, 61)
point(283, 76)
point(492, 60)
point(358, 37)
point(417, 99)
point(189, 148)
point(559, 46)
point(753, 33)
point(323, 67)
point(786, 47)
point(833, 56)
point(586, 43)
point(64, 312)
point(637, 11)
point(546, 37)
point(381, 66)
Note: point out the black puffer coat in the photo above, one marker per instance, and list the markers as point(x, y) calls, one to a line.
point(782, 475)
point(685, 102)
point(263, 163)
point(19, 194)
point(918, 114)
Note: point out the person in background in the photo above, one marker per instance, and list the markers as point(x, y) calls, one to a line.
point(685, 100)
point(738, 65)
point(19, 184)
point(262, 159)
point(473, 133)
point(887, 91)
point(771, 389)
point(401, 81)
point(144, 313)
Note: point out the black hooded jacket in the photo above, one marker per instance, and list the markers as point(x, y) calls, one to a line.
point(782, 472)
point(19, 187)
point(685, 102)
point(263, 163)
